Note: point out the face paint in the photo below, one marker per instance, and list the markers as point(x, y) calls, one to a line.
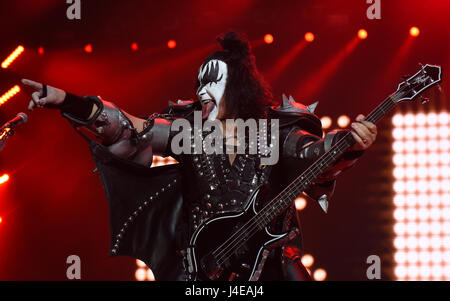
point(212, 78)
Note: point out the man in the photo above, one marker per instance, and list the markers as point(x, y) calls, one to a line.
point(202, 186)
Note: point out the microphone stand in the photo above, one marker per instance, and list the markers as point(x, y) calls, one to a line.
point(5, 133)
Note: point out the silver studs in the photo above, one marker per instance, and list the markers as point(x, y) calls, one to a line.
point(208, 206)
point(233, 202)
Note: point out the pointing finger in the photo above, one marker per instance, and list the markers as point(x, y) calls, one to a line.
point(32, 84)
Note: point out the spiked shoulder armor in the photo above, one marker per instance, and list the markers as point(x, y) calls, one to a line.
point(291, 112)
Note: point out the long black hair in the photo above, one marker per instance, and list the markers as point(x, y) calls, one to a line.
point(247, 95)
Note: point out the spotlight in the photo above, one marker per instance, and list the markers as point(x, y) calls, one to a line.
point(10, 93)
point(268, 38)
point(18, 51)
point(140, 274)
point(4, 178)
point(326, 122)
point(171, 44)
point(134, 46)
point(320, 275)
point(41, 50)
point(300, 203)
point(309, 37)
point(1, 219)
point(343, 121)
point(88, 48)
point(307, 260)
point(150, 275)
point(414, 31)
point(362, 34)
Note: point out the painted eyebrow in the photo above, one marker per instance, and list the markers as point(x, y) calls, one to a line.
point(212, 73)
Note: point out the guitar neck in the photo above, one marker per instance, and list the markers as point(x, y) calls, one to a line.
point(285, 198)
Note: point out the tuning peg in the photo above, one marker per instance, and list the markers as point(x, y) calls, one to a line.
point(424, 100)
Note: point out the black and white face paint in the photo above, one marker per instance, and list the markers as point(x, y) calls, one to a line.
point(212, 78)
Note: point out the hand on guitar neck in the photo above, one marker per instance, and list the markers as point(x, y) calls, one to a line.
point(364, 132)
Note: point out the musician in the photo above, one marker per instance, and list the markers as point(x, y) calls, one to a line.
point(154, 211)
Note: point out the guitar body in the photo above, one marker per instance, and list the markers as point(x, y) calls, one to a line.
point(219, 251)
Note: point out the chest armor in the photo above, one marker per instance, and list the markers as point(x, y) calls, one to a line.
point(216, 186)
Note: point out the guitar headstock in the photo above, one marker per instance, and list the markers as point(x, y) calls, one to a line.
point(410, 88)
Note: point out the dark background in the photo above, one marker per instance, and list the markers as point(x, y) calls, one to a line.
point(54, 206)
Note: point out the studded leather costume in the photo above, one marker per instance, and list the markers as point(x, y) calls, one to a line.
point(210, 183)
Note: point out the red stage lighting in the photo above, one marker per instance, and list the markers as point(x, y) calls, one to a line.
point(268, 38)
point(414, 31)
point(171, 44)
point(362, 34)
point(1, 220)
point(134, 46)
point(18, 51)
point(11, 92)
point(4, 178)
point(41, 50)
point(88, 48)
point(309, 37)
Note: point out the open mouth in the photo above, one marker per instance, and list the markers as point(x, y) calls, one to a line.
point(205, 101)
point(207, 106)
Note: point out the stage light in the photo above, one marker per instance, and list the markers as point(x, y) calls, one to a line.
point(320, 275)
point(140, 274)
point(13, 56)
point(10, 93)
point(397, 120)
point(134, 46)
point(88, 48)
point(150, 276)
point(140, 264)
point(421, 199)
point(343, 121)
point(268, 38)
point(362, 34)
point(307, 260)
point(171, 44)
point(414, 31)
point(4, 178)
point(41, 50)
point(309, 37)
point(1, 220)
point(326, 122)
point(300, 203)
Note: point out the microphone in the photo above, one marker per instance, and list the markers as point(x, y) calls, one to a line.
point(7, 129)
point(20, 118)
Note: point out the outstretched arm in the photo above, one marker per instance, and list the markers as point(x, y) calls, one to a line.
point(125, 135)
